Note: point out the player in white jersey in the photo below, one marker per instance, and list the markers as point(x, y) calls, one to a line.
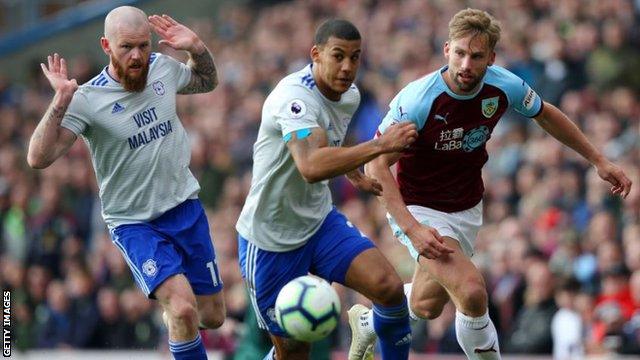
point(140, 151)
point(288, 226)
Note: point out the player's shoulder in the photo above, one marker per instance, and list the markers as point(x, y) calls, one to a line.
point(299, 84)
point(96, 86)
point(301, 79)
point(422, 91)
point(430, 83)
point(102, 80)
point(501, 77)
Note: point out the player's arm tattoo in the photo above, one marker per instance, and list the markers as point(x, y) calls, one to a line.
point(46, 143)
point(204, 75)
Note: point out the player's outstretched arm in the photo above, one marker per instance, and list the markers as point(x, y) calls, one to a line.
point(364, 183)
point(50, 140)
point(204, 76)
point(425, 239)
point(556, 123)
point(316, 161)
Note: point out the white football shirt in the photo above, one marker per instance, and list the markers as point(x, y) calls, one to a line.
point(282, 210)
point(139, 148)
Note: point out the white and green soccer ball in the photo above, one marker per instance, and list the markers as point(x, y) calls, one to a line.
point(307, 308)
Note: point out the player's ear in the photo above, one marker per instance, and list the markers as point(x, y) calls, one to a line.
point(315, 53)
point(446, 49)
point(492, 57)
point(104, 43)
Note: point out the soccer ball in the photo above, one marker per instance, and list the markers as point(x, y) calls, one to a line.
point(307, 308)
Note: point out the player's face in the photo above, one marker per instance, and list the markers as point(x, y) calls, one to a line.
point(129, 53)
point(468, 59)
point(336, 65)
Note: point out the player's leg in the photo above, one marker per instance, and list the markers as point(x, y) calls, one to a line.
point(179, 305)
point(157, 269)
point(372, 275)
point(199, 260)
point(211, 310)
point(289, 349)
point(426, 296)
point(344, 255)
point(265, 273)
point(464, 282)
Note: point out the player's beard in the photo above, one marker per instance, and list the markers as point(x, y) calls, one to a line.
point(466, 87)
point(135, 83)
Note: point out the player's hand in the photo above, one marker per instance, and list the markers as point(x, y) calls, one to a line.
point(175, 35)
point(398, 137)
point(56, 73)
point(616, 177)
point(428, 242)
point(365, 183)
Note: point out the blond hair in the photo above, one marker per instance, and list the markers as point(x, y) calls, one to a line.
point(474, 22)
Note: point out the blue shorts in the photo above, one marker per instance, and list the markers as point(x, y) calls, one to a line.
point(177, 242)
point(327, 254)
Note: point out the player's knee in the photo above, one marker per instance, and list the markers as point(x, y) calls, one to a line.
point(428, 309)
point(473, 297)
point(183, 312)
point(390, 290)
point(212, 319)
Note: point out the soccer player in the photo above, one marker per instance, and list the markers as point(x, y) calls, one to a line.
point(288, 226)
point(435, 208)
point(140, 153)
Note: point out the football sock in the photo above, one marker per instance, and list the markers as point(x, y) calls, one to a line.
point(271, 355)
point(407, 293)
point(477, 336)
point(392, 327)
point(188, 350)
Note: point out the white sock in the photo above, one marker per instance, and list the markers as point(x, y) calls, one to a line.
point(366, 323)
point(477, 336)
point(407, 293)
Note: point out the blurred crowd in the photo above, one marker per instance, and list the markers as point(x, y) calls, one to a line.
point(560, 254)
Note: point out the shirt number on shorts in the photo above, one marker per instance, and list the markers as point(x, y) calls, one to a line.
point(212, 269)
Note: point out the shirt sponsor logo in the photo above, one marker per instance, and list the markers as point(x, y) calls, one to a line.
point(475, 138)
point(450, 140)
point(489, 106)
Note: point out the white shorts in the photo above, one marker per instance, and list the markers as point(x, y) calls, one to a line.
point(462, 226)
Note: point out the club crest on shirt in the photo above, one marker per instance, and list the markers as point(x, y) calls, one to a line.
point(296, 108)
point(158, 87)
point(489, 106)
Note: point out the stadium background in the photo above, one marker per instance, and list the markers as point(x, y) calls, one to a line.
point(547, 215)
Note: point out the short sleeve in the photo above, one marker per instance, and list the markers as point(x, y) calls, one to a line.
point(77, 117)
point(180, 71)
point(408, 105)
point(296, 111)
point(522, 97)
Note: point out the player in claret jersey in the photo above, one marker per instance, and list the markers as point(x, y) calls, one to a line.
point(435, 207)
